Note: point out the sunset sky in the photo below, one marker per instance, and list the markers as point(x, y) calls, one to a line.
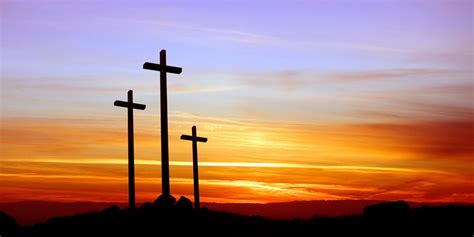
point(300, 100)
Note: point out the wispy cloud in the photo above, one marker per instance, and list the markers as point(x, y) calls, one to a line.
point(293, 80)
point(267, 40)
point(362, 169)
point(396, 73)
point(181, 88)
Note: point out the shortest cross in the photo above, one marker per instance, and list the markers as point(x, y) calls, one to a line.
point(194, 138)
point(131, 164)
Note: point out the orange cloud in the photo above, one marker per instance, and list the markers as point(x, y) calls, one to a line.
point(247, 161)
point(438, 140)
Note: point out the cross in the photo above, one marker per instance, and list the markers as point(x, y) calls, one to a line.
point(194, 138)
point(131, 164)
point(163, 68)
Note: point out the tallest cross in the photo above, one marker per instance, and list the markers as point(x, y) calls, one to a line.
point(163, 68)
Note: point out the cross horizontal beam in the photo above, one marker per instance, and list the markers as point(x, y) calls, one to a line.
point(158, 67)
point(191, 138)
point(127, 105)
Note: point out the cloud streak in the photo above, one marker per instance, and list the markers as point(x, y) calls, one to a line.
point(386, 154)
point(363, 169)
point(244, 37)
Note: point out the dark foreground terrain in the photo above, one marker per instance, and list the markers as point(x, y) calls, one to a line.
point(384, 219)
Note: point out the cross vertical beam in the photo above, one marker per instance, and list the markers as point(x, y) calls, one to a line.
point(195, 172)
point(131, 154)
point(164, 69)
point(131, 150)
point(194, 138)
point(165, 170)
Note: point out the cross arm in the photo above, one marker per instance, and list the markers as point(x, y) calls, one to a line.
point(191, 138)
point(158, 67)
point(126, 105)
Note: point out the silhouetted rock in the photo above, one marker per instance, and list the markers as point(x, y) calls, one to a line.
point(8, 225)
point(146, 205)
point(165, 201)
point(184, 203)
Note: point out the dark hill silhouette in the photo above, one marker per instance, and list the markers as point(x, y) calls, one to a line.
point(399, 210)
point(296, 209)
point(31, 212)
point(387, 219)
point(8, 225)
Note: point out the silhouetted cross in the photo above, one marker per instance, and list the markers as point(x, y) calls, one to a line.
point(194, 138)
point(163, 68)
point(131, 164)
